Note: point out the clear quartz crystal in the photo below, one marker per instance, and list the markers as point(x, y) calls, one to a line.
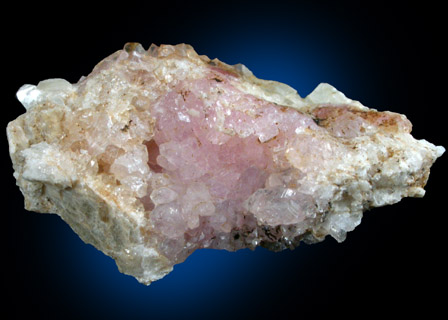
point(158, 153)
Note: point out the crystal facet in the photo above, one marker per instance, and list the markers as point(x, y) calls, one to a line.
point(158, 153)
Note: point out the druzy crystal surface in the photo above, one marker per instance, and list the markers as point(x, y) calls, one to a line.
point(160, 152)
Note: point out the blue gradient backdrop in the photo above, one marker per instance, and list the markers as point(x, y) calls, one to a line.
point(373, 53)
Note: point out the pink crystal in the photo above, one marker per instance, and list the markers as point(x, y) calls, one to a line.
point(172, 152)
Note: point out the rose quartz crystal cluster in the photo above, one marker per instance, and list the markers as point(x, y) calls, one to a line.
point(160, 152)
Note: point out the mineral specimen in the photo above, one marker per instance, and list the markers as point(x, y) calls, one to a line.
point(161, 152)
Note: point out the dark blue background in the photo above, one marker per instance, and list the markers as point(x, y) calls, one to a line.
point(386, 55)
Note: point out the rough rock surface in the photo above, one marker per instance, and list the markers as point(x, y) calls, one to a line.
point(158, 153)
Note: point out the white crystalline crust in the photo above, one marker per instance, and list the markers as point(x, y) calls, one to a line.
point(84, 152)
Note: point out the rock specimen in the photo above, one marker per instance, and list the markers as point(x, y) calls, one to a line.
point(161, 152)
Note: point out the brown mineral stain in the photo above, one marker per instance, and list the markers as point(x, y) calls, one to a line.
point(384, 121)
point(153, 153)
point(184, 94)
point(217, 79)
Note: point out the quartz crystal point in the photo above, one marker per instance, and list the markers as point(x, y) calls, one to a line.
point(161, 152)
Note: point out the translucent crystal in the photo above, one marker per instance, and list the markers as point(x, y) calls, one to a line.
point(158, 153)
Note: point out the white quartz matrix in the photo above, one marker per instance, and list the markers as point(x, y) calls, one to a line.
point(160, 152)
